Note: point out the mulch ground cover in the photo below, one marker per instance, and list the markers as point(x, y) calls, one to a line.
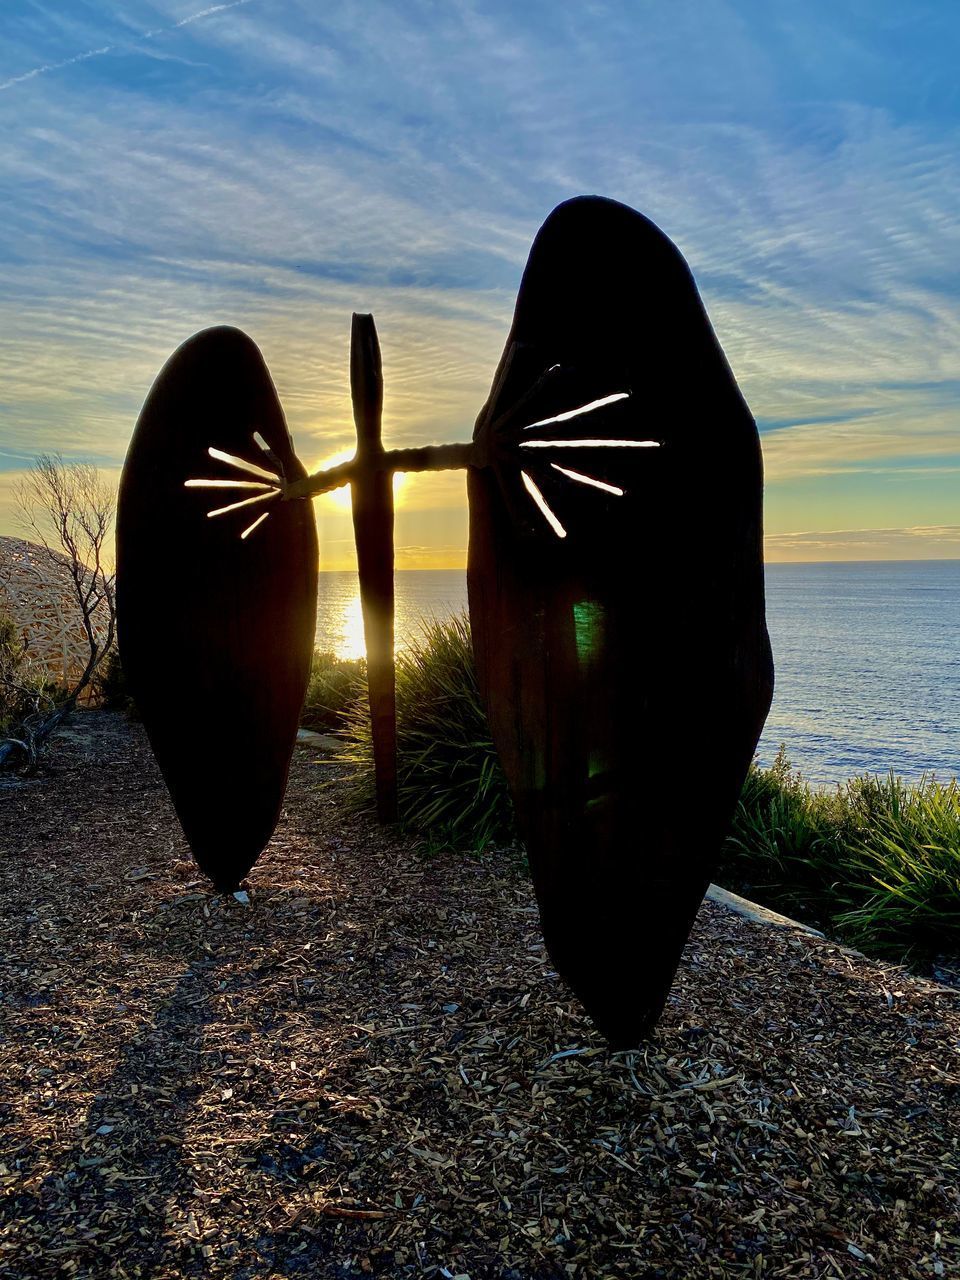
point(371, 1069)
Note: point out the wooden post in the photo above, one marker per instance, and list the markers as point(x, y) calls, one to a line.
point(372, 500)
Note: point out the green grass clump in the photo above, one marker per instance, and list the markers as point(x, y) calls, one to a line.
point(785, 844)
point(904, 862)
point(336, 685)
point(450, 783)
point(874, 862)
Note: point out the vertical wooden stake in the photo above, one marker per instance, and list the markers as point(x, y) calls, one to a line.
point(372, 500)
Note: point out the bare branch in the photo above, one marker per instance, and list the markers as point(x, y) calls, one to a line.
point(67, 510)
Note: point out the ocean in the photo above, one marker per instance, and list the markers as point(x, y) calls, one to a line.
point(867, 657)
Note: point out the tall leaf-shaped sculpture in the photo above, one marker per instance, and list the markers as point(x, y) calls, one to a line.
point(616, 599)
point(217, 594)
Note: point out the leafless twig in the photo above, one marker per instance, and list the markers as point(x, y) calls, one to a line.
point(67, 510)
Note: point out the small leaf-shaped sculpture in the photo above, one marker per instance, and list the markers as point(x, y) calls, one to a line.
point(616, 599)
point(217, 594)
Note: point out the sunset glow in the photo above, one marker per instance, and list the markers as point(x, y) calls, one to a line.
point(168, 167)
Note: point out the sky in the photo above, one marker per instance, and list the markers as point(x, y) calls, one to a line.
point(278, 164)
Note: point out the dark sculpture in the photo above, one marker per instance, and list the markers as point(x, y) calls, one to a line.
point(615, 583)
point(216, 617)
point(372, 505)
point(620, 637)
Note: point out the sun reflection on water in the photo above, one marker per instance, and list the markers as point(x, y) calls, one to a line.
point(347, 624)
point(421, 597)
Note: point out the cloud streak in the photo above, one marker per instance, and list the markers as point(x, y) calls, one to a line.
point(920, 542)
point(288, 166)
point(112, 48)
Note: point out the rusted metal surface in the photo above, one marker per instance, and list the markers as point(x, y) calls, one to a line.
point(620, 639)
point(216, 630)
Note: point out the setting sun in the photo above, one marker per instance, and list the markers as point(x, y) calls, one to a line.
point(340, 499)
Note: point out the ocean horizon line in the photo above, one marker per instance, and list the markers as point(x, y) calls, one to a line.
point(779, 564)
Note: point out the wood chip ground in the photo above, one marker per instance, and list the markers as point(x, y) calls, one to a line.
point(372, 1070)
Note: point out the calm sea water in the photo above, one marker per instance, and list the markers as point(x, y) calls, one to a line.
point(867, 657)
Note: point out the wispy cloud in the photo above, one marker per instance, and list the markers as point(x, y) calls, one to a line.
point(908, 428)
point(56, 66)
point(112, 48)
point(921, 542)
point(287, 165)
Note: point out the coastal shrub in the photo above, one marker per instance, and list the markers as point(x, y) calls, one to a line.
point(335, 686)
point(110, 684)
point(450, 783)
point(904, 866)
point(27, 694)
point(12, 675)
point(875, 862)
point(786, 844)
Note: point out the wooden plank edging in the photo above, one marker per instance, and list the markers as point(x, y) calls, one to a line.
point(754, 911)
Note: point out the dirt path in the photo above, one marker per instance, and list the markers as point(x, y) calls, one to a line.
point(371, 1069)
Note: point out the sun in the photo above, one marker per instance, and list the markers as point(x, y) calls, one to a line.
point(341, 498)
point(335, 497)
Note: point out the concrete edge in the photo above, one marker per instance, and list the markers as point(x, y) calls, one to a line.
point(319, 741)
point(755, 912)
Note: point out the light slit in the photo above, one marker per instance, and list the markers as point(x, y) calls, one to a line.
point(590, 444)
point(590, 480)
point(250, 527)
point(241, 464)
point(575, 413)
point(227, 484)
point(550, 516)
point(235, 506)
point(268, 453)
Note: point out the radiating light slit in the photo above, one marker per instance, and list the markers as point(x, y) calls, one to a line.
point(250, 527)
point(261, 444)
point(235, 506)
point(590, 444)
point(589, 480)
point(550, 516)
point(228, 484)
point(241, 464)
point(575, 413)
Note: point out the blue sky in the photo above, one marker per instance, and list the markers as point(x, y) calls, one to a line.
point(278, 165)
